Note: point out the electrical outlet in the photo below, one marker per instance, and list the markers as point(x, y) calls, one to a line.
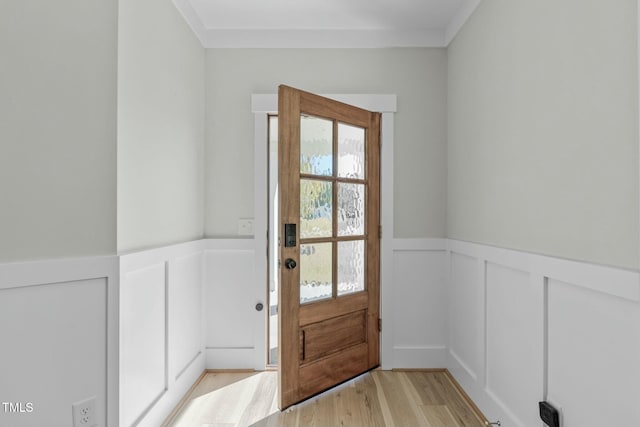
point(549, 414)
point(84, 413)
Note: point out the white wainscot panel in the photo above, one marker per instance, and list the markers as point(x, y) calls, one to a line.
point(142, 341)
point(54, 350)
point(230, 312)
point(419, 324)
point(594, 354)
point(466, 313)
point(185, 312)
point(515, 342)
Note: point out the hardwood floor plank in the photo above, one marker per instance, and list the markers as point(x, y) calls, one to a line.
point(430, 388)
point(262, 401)
point(438, 416)
point(402, 412)
point(370, 408)
point(378, 398)
point(384, 405)
point(220, 399)
point(357, 403)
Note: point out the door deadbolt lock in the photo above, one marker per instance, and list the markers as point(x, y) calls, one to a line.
point(259, 306)
point(289, 235)
point(290, 263)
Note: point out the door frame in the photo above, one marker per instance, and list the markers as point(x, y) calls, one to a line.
point(261, 106)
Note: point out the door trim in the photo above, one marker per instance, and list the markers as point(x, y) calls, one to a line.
point(261, 106)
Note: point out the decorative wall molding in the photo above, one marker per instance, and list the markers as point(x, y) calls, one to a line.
point(38, 272)
point(413, 326)
point(463, 365)
point(161, 330)
point(41, 275)
point(140, 259)
point(517, 305)
point(608, 280)
point(235, 333)
point(417, 245)
point(525, 327)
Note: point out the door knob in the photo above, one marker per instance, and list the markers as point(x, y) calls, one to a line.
point(290, 263)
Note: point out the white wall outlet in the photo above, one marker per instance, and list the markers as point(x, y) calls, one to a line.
point(245, 226)
point(84, 413)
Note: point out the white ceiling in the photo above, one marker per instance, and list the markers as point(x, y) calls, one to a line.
point(325, 23)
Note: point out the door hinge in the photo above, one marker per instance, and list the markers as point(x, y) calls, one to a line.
point(380, 232)
point(379, 325)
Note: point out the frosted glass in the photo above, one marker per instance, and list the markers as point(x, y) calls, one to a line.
point(351, 157)
point(316, 204)
point(350, 267)
point(316, 272)
point(351, 216)
point(316, 146)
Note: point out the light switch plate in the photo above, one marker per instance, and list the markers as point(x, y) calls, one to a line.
point(245, 226)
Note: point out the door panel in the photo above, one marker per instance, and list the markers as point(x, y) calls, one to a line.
point(329, 275)
point(326, 337)
point(328, 372)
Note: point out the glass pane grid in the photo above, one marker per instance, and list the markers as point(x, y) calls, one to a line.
point(332, 209)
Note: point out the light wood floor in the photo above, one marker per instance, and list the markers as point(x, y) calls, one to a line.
point(378, 398)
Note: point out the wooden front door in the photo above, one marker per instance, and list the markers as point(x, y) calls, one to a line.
point(329, 179)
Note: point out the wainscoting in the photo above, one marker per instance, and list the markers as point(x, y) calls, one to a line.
point(413, 313)
point(137, 330)
point(525, 328)
point(59, 326)
point(236, 333)
point(165, 291)
point(161, 330)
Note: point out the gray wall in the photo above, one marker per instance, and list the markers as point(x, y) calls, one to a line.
point(57, 128)
point(543, 129)
point(160, 127)
point(417, 76)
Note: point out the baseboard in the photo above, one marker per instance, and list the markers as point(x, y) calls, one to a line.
point(183, 401)
point(230, 358)
point(465, 397)
point(418, 357)
point(165, 406)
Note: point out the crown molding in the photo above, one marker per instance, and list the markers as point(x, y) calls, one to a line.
point(460, 18)
point(192, 18)
point(324, 38)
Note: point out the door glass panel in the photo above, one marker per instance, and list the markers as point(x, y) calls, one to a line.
point(350, 209)
point(316, 272)
point(350, 151)
point(316, 146)
point(350, 267)
point(316, 204)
